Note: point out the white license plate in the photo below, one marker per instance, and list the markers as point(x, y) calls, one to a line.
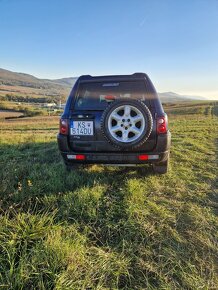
point(83, 128)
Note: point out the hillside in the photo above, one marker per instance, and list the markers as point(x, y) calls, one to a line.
point(21, 79)
point(15, 83)
point(20, 84)
point(69, 82)
point(173, 97)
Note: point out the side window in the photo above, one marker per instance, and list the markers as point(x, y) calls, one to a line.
point(82, 99)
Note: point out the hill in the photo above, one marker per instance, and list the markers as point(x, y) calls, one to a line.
point(173, 97)
point(21, 79)
point(25, 84)
point(69, 82)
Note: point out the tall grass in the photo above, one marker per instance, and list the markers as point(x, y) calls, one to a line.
point(105, 227)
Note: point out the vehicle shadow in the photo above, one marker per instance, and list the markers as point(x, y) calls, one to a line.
point(96, 198)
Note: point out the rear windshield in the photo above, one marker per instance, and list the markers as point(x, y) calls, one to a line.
point(97, 96)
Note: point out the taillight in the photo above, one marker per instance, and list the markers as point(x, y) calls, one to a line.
point(63, 126)
point(162, 125)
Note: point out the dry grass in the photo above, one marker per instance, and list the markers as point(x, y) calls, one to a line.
point(6, 114)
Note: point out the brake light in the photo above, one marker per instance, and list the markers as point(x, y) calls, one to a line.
point(63, 126)
point(109, 98)
point(162, 125)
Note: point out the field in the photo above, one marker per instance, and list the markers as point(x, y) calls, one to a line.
point(9, 114)
point(108, 227)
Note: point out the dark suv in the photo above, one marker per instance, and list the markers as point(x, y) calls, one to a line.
point(114, 120)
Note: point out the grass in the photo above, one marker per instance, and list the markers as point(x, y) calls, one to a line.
point(108, 227)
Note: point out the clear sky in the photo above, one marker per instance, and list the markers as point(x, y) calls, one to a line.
point(174, 41)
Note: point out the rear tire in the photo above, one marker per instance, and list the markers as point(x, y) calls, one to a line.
point(162, 167)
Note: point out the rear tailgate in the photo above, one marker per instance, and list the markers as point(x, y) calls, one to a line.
point(86, 134)
point(91, 99)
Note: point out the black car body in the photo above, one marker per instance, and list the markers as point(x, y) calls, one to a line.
point(114, 120)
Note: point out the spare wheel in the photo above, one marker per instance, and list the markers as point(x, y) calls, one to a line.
point(127, 123)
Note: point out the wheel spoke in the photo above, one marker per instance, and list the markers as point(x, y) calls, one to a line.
point(135, 130)
point(115, 116)
point(137, 118)
point(115, 128)
point(127, 111)
point(125, 135)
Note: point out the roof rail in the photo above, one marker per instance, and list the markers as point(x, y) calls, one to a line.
point(139, 74)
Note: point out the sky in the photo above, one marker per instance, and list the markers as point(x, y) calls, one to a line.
point(174, 42)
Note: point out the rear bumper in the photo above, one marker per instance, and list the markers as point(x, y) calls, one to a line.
point(108, 158)
point(161, 149)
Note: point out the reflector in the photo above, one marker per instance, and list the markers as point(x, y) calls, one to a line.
point(80, 157)
point(143, 157)
point(76, 157)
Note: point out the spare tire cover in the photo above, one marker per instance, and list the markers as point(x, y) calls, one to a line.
point(127, 123)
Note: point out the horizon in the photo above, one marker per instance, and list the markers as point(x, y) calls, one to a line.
point(175, 43)
point(215, 98)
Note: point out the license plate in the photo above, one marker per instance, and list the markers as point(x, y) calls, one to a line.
point(82, 128)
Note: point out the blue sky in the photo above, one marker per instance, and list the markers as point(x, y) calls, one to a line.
point(175, 42)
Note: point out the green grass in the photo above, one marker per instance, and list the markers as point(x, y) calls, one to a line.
point(108, 227)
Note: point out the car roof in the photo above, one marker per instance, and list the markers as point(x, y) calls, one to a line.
point(135, 76)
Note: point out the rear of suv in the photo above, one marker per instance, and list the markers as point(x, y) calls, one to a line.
point(115, 120)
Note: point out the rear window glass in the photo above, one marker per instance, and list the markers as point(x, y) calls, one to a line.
point(96, 96)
